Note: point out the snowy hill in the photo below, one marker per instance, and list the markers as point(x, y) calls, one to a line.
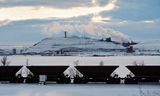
point(149, 45)
point(73, 44)
point(5, 52)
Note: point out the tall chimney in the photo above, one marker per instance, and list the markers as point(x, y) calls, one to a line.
point(65, 34)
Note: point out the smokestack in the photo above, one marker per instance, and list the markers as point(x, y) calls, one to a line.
point(130, 49)
point(65, 34)
point(108, 39)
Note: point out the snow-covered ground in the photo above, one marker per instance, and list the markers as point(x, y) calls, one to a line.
point(78, 90)
point(83, 60)
point(122, 61)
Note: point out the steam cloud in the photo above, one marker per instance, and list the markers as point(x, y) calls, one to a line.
point(89, 30)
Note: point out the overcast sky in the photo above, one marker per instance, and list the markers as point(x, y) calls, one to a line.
point(29, 21)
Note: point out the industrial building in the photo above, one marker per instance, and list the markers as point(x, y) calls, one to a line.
point(77, 74)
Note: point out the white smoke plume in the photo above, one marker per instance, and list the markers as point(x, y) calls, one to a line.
point(89, 30)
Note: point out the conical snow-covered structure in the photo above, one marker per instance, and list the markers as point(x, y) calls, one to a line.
point(24, 72)
point(72, 72)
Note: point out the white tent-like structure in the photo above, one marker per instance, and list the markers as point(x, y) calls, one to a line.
point(72, 72)
point(24, 72)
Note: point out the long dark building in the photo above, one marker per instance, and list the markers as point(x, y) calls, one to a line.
point(97, 73)
point(7, 73)
point(55, 74)
point(144, 74)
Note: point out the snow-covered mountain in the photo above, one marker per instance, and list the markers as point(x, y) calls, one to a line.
point(74, 44)
point(149, 45)
point(5, 52)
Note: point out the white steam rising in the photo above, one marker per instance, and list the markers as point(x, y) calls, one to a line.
point(89, 30)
